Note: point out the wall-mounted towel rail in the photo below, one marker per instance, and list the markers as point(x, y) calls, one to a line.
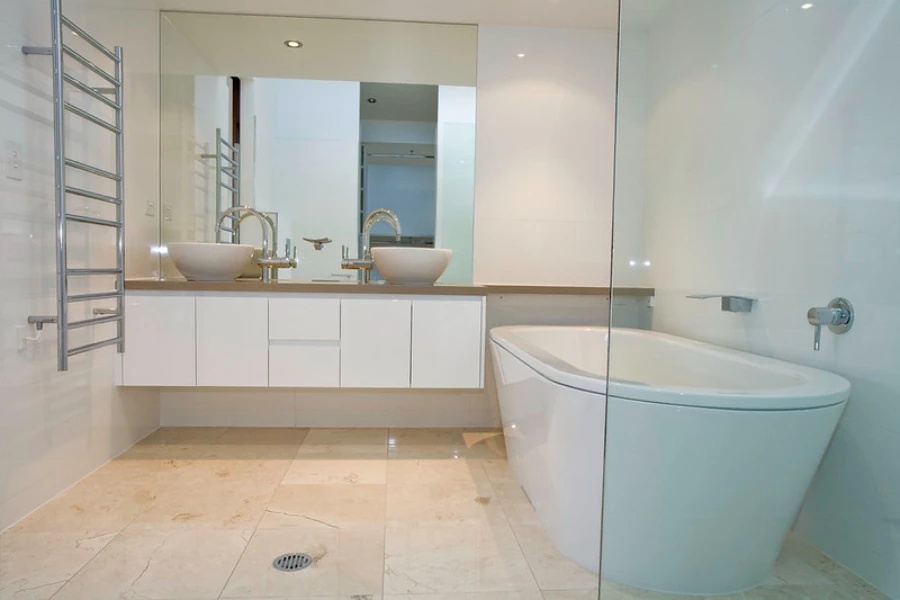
point(228, 164)
point(60, 52)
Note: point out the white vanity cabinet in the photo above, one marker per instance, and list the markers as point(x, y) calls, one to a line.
point(160, 343)
point(288, 340)
point(447, 343)
point(232, 341)
point(304, 342)
point(375, 342)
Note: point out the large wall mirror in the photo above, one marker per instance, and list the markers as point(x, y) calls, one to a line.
point(316, 123)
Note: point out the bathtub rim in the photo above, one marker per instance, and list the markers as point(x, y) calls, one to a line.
point(819, 390)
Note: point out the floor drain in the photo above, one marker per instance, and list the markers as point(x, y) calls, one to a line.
point(292, 562)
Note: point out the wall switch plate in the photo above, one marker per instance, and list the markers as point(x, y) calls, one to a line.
point(12, 161)
point(150, 211)
point(167, 212)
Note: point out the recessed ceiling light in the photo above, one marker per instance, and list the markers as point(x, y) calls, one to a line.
point(371, 100)
point(807, 6)
point(520, 55)
point(293, 44)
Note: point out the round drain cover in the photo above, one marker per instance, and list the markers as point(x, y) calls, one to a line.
point(292, 562)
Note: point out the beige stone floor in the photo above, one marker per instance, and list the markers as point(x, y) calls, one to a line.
point(195, 514)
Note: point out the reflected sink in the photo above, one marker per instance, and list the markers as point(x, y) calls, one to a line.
point(411, 266)
point(200, 261)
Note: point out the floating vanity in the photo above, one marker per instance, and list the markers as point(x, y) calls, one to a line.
point(303, 335)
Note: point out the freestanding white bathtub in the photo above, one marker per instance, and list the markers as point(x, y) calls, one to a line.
point(710, 451)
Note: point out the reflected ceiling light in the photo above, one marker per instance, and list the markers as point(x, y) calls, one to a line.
point(293, 43)
point(632, 263)
point(520, 55)
point(807, 6)
point(646, 263)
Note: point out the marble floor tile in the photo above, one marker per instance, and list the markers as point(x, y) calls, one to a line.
point(159, 566)
point(470, 556)
point(446, 502)
point(552, 570)
point(585, 595)
point(445, 443)
point(347, 562)
point(469, 596)
point(104, 502)
point(209, 500)
point(506, 488)
point(336, 470)
point(330, 506)
point(33, 566)
point(405, 472)
point(260, 443)
point(349, 443)
point(180, 443)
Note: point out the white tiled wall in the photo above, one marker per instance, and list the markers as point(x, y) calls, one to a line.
point(772, 165)
point(544, 145)
point(57, 427)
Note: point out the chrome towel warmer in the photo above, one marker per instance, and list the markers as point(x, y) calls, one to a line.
point(58, 50)
point(228, 164)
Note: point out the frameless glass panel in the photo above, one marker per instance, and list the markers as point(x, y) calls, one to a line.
point(753, 421)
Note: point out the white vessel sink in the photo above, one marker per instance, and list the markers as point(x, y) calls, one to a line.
point(200, 261)
point(411, 266)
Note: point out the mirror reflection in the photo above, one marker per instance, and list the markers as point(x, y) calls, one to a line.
point(315, 174)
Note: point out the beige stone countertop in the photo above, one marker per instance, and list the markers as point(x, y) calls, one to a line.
point(293, 286)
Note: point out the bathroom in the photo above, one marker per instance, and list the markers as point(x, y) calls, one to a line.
point(657, 190)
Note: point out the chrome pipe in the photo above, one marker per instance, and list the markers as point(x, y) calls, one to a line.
point(99, 71)
point(120, 194)
point(92, 118)
point(90, 169)
point(59, 168)
point(93, 220)
point(90, 40)
point(93, 271)
point(96, 296)
point(94, 321)
point(90, 194)
point(92, 92)
point(94, 346)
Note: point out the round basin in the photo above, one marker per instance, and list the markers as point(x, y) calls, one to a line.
point(411, 266)
point(200, 261)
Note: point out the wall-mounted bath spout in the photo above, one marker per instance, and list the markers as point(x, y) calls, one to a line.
point(735, 304)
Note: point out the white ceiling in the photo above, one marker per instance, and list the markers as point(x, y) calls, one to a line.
point(542, 13)
point(333, 49)
point(398, 102)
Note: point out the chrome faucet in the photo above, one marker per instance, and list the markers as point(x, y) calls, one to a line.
point(837, 316)
point(365, 263)
point(270, 261)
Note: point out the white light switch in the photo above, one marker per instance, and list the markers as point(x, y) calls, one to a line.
point(12, 160)
point(150, 211)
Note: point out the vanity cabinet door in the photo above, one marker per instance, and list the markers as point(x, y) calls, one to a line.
point(447, 343)
point(159, 340)
point(232, 341)
point(375, 342)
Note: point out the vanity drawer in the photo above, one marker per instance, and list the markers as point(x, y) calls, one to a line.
point(311, 319)
point(304, 364)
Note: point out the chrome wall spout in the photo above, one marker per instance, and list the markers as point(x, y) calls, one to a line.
point(735, 304)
